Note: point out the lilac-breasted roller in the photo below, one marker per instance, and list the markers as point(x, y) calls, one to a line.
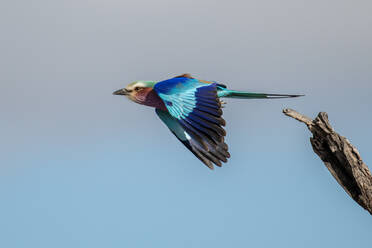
point(191, 108)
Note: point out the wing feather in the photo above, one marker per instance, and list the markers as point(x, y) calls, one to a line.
point(194, 111)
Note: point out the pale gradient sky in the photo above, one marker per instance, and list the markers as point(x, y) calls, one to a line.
point(82, 168)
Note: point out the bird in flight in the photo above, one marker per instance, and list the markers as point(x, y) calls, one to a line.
point(192, 110)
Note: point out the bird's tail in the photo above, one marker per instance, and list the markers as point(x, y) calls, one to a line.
point(249, 95)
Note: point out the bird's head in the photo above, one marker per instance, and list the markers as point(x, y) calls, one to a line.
point(136, 91)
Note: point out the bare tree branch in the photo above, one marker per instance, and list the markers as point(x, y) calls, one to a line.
point(340, 157)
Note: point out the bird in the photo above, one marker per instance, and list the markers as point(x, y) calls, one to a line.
point(192, 110)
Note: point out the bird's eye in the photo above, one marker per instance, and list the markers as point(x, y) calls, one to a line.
point(137, 88)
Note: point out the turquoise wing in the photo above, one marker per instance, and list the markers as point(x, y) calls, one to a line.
point(194, 115)
point(213, 154)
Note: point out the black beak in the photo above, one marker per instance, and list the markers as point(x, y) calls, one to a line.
point(121, 92)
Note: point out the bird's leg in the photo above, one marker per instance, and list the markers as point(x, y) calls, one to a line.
point(223, 103)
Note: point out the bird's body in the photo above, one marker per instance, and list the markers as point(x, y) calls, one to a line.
point(191, 109)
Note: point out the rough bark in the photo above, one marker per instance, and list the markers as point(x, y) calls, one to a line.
point(340, 157)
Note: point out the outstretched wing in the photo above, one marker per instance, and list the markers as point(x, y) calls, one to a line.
point(215, 152)
point(194, 116)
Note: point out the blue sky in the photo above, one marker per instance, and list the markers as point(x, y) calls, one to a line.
point(82, 168)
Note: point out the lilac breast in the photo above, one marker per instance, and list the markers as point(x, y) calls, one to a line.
point(149, 97)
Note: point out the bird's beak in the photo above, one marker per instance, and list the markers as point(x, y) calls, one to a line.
point(122, 92)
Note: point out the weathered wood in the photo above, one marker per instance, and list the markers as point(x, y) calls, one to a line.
point(340, 157)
